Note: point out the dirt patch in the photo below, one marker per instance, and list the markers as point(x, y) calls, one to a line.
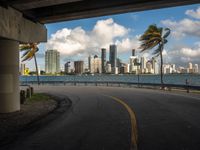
point(33, 109)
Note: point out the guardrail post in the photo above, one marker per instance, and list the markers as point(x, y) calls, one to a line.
point(28, 93)
point(32, 91)
point(22, 96)
point(187, 86)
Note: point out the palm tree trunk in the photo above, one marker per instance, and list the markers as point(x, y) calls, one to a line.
point(161, 67)
point(36, 66)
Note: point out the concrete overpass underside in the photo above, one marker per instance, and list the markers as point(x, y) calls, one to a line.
point(22, 21)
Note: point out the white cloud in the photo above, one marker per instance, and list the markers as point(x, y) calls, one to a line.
point(81, 43)
point(189, 52)
point(183, 55)
point(127, 44)
point(183, 27)
point(193, 13)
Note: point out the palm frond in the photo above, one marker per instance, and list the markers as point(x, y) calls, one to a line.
point(167, 32)
point(165, 41)
point(30, 50)
point(157, 51)
point(24, 47)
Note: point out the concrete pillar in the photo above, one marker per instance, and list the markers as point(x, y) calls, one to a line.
point(9, 76)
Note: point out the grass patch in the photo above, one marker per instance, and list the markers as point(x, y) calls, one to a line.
point(37, 97)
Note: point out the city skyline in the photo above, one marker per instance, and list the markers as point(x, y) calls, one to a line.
point(114, 65)
point(77, 39)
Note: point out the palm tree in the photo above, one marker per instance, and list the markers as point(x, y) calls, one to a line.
point(29, 53)
point(155, 38)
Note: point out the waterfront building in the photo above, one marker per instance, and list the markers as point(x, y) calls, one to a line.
point(190, 65)
point(149, 67)
point(133, 52)
point(52, 61)
point(119, 62)
point(79, 67)
point(173, 68)
point(103, 60)
point(22, 69)
point(67, 67)
point(108, 68)
point(95, 64)
point(143, 61)
point(114, 70)
point(124, 68)
point(155, 66)
point(127, 67)
point(196, 68)
point(39, 71)
point(190, 68)
point(113, 57)
point(133, 64)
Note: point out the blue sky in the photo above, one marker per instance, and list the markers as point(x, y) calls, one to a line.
point(78, 38)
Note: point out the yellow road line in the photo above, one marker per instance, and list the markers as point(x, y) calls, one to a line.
point(134, 135)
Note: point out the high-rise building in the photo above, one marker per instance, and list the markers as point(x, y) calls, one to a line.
point(95, 64)
point(113, 57)
point(133, 52)
point(155, 66)
point(78, 66)
point(149, 67)
point(119, 62)
point(133, 64)
point(67, 67)
point(103, 60)
point(108, 68)
point(124, 68)
point(196, 68)
point(190, 68)
point(143, 62)
point(52, 61)
point(23, 67)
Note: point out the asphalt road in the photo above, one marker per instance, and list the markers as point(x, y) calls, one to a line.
point(165, 121)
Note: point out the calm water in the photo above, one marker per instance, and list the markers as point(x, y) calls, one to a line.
point(194, 79)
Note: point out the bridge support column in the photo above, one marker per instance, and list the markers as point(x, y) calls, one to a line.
point(9, 76)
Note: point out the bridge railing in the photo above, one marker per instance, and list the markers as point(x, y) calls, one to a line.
point(187, 87)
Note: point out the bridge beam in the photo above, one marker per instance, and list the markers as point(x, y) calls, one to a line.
point(15, 27)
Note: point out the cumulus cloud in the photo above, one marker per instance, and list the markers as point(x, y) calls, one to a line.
point(182, 55)
point(193, 13)
point(80, 43)
point(183, 27)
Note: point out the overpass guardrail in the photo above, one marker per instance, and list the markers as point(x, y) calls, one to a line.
point(187, 87)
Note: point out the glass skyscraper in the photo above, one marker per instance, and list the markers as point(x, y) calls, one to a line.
point(52, 61)
point(103, 60)
point(113, 56)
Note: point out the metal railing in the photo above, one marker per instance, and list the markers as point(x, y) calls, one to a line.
point(187, 87)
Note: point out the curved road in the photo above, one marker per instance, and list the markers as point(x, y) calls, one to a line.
point(165, 121)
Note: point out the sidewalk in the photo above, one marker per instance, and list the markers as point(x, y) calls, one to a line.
point(34, 109)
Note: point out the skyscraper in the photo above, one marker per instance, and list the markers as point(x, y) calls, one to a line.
point(103, 60)
point(113, 57)
point(190, 67)
point(23, 67)
point(78, 66)
point(95, 64)
point(196, 68)
point(133, 52)
point(133, 64)
point(67, 67)
point(143, 64)
point(52, 61)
